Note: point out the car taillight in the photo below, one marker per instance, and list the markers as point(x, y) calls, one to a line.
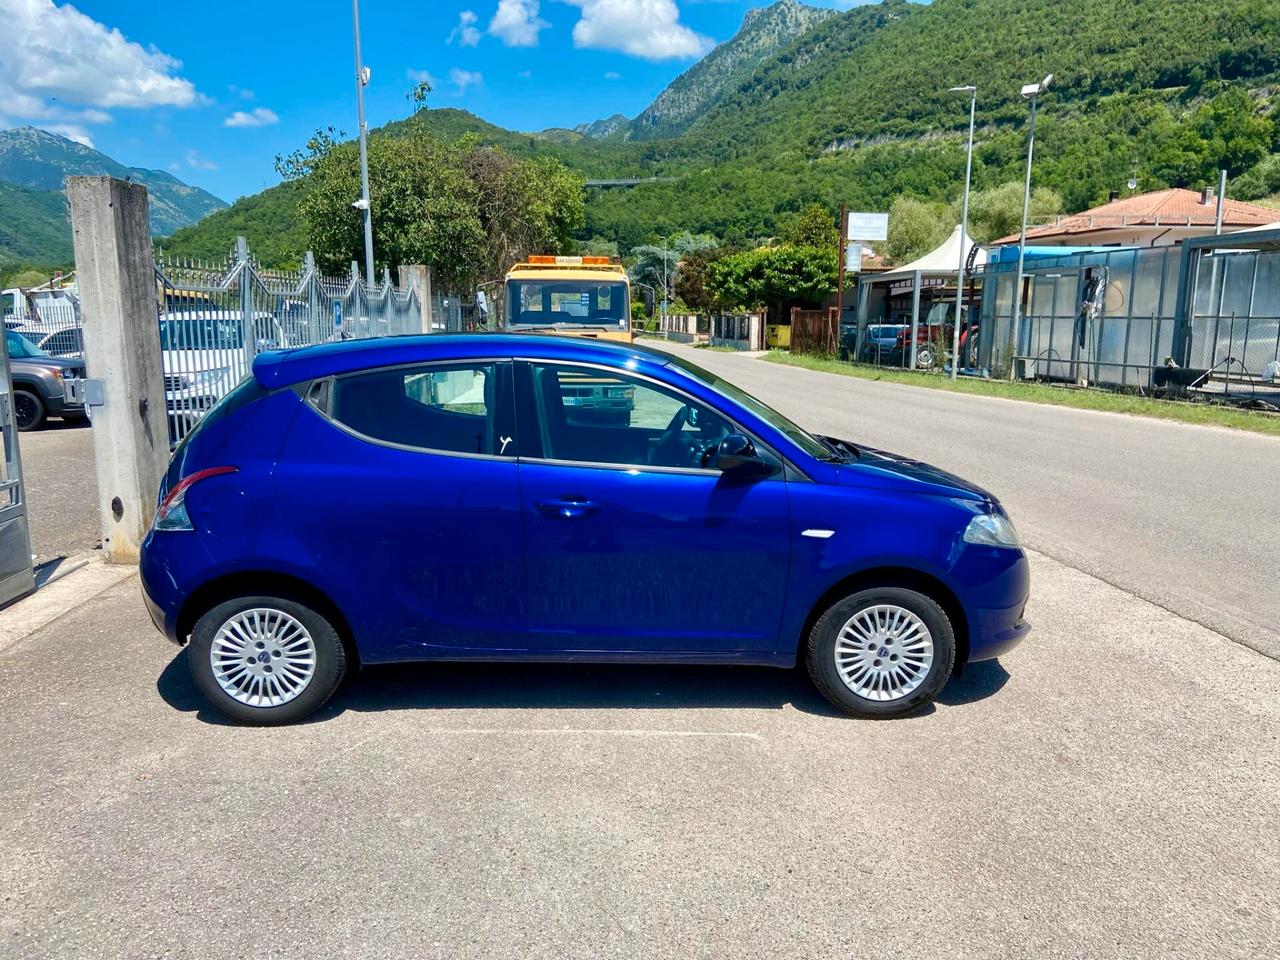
point(172, 512)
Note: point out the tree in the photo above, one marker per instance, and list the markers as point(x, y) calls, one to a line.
point(693, 283)
point(655, 263)
point(776, 277)
point(1235, 134)
point(814, 227)
point(28, 278)
point(915, 228)
point(468, 211)
point(997, 212)
point(417, 94)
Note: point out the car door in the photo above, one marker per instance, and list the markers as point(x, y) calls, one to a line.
point(633, 545)
point(404, 483)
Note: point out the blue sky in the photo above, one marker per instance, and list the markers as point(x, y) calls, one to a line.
point(212, 91)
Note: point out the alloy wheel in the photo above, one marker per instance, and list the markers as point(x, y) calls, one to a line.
point(26, 410)
point(884, 652)
point(263, 657)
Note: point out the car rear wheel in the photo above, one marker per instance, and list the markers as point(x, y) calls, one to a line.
point(266, 660)
point(28, 410)
point(881, 652)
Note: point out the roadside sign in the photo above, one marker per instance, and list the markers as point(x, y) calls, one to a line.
point(852, 257)
point(337, 313)
point(867, 226)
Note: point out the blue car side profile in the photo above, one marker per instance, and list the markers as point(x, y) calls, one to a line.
point(523, 497)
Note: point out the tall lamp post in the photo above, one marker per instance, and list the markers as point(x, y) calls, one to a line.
point(964, 228)
point(1032, 92)
point(362, 78)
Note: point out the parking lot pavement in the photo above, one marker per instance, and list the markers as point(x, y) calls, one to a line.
point(62, 496)
point(1182, 515)
point(1110, 789)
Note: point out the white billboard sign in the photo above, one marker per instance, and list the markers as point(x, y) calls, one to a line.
point(853, 258)
point(867, 226)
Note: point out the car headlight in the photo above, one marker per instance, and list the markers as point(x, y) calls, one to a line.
point(991, 530)
point(211, 377)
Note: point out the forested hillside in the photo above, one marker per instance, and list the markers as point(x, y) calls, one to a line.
point(856, 109)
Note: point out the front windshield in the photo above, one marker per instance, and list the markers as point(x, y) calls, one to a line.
point(798, 435)
point(200, 333)
point(20, 346)
point(545, 303)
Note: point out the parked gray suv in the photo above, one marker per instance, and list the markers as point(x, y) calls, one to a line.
point(40, 383)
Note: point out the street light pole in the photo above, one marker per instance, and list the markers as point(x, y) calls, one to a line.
point(964, 230)
point(362, 78)
point(1032, 92)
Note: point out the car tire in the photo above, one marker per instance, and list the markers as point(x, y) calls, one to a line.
point(924, 358)
point(276, 661)
point(29, 412)
point(912, 657)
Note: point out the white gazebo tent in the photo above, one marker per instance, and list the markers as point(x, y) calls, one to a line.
point(940, 263)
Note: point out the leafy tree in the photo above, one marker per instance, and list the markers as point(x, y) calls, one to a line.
point(1260, 182)
point(776, 277)
point(814, 227)
point(693, 282)
point(468, 211)
point(1235, 134)
point(915, 228)
point(997, 212)
point(417, 94)
point(27, 278)
point(655, 264)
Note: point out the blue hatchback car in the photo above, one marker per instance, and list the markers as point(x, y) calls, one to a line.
point(451, 498)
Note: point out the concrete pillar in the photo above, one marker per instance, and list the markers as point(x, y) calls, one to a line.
point(115, 274)
point(417, 277)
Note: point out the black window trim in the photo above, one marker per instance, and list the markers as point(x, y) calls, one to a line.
point(503, 366)
point(785, 468)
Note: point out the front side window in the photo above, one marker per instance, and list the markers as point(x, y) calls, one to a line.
point(593, 415)
point(451, 407)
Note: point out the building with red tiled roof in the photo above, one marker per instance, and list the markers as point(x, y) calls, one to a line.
point(1157, 219)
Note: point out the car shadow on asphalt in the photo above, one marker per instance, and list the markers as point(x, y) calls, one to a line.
point(572, 686)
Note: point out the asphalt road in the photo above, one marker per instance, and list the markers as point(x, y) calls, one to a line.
point(1185, 516)
point(1110, 789)
point(62, 500)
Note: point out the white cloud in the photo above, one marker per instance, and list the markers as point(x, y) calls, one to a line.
point(196, 162)
point(257, 117)
point(418, 76)
point(461, 79)
point(59, 54)
point(643, 28)
point(72, 131)
point(466, 32)
point(516, 23)
point(613, 75)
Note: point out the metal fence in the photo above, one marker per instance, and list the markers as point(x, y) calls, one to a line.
point(1123, 319)
point(216, 317)
point(50, 320)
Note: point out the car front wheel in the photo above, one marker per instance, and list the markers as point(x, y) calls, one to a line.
point(882, 652)
point(266, 660)
point(28, 410)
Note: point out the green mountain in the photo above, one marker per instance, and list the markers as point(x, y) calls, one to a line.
point(34, 228)
point(856, 108)
point(764, 32)
point(39, 160)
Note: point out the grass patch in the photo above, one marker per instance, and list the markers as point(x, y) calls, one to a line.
point(1212, 414)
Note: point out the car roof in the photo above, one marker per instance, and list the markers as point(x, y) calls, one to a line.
point(282, 368)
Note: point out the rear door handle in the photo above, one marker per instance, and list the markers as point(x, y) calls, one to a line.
point(568, 508)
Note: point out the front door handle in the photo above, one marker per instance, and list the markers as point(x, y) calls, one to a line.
point(568, 508)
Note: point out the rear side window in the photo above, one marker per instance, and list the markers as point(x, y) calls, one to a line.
point(453, 408)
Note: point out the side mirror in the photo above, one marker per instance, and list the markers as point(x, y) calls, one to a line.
point(736, 454)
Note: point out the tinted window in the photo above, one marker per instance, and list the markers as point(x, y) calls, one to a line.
point(592, 415)
point(20, 346)
point(431, 407)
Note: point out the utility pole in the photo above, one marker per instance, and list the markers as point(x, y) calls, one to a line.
point(362, 78)
point(1032, 92)
point(964, 231)
point(840, 249)
point(1222, 199)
